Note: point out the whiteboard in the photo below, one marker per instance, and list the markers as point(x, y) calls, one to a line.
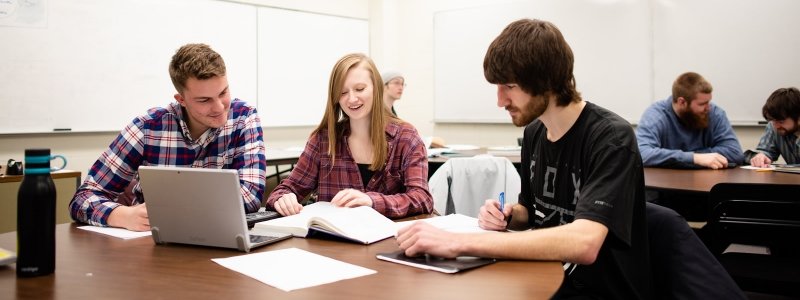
point(95, 64)
point(746, 49)
point(611, 41)
point(297, 51)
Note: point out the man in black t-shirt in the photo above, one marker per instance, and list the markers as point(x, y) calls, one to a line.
point(583, 182)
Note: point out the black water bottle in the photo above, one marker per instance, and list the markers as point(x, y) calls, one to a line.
point(36, 217)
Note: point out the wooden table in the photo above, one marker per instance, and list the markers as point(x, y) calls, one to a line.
point(701, 181)
point(95, 266)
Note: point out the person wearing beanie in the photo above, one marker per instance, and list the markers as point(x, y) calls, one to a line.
point(393, 85)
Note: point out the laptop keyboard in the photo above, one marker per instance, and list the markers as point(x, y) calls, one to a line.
point(256, 239)
point(260, 216)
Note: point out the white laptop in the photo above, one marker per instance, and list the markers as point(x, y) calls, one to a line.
point(199, 206)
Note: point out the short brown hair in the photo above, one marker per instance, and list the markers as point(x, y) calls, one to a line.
point(688, 85)
point(534, 55)
point(782, 103)
point(194, 61)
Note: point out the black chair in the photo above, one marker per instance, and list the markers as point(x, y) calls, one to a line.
point(682, 266)
point(766, 215)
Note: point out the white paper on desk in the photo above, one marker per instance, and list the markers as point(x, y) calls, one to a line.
point(291, 269)
point(451, 223)
point(435, 152)
point(117, 232)
point(748, 167)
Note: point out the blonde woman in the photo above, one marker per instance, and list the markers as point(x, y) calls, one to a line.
point(360, 154)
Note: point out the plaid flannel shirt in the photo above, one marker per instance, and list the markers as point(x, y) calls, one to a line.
point(161, 137)
point(399, 190)
point(773, 145)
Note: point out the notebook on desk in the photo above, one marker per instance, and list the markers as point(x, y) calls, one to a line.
point(199, 206)
point(793, 168)
point(439, 264)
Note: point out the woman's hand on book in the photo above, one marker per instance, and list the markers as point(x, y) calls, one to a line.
point(351, 198)
point(287, 205)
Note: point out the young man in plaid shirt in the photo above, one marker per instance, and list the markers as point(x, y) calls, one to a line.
point(204, 128)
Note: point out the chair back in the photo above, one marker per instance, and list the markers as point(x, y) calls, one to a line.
point(462, 184)
point(763, 215)
point(682, 266)
point(755, 214)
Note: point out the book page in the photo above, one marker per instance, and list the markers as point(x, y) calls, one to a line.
point(452, 222)
point(297, 224)
point(361, 223)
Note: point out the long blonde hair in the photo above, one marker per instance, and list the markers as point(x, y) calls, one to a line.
point(334, 118)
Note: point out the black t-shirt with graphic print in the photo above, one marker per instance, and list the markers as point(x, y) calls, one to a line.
point(593, 172)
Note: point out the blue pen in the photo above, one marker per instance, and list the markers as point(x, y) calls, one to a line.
point(502, 200)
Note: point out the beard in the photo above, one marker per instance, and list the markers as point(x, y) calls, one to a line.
point(532, 110)
point(784, 131)
point(692, 120)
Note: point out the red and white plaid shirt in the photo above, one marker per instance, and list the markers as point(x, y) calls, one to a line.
point(399, 190)
point(161, 137)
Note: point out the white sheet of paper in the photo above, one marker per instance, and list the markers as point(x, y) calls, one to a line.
point(117, 232)
point(748, 167)
point(453, 223)
point(292, 268)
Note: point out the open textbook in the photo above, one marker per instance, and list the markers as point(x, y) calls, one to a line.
point(360, 224)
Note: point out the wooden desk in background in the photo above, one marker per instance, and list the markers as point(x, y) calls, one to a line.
point(66, 182)
point(701, 181)
point(687, 191)
point(435, 162)
point(104, 267)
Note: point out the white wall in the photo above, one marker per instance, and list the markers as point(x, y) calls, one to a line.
point(410, 22)
point(82, 149)
point(401, 38)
